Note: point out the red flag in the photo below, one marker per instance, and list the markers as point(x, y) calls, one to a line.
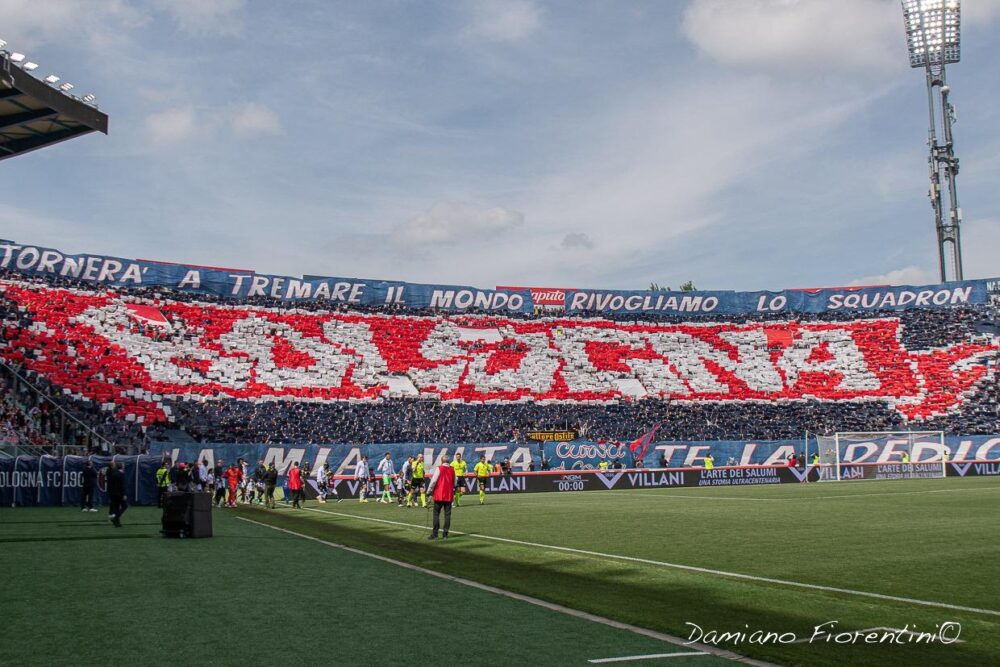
point(147, 315)
point(643, 442)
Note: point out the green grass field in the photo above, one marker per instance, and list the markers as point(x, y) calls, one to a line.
point(727, 559)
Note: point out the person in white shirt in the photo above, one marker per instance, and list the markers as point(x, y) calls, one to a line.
point(387, 470)
point(202, 476)
point(403, 482)
point(361, 474)
point(328, 483)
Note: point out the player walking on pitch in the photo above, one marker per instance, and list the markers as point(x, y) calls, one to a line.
point(361, 474)
point(418, 483)
point(322, 481)
point(386, 469)
point(403, 483)
point(233, 478)
point(327, 484)
point(459, 466)
point(482, 470)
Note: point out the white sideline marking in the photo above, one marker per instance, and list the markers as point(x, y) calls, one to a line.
point(651, 656)
point(903, 493)
point(576, 613)
point(797, 499)
point(688, 568)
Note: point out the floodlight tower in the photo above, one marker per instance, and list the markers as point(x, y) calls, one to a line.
point(932, 37)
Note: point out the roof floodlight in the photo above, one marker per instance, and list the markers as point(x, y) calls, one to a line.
point(51, 78)
point(29, 66)
point(2, 43)
point(89, 98)
point(66, 87)
point(17, 57)
point(932, 31)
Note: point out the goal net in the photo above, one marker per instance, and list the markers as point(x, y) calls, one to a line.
point(881, 455)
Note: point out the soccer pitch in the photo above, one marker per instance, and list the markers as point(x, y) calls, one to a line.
point(764, 565)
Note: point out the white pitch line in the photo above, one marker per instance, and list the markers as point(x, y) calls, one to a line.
point(651, 656)
point(687, 568)
point(703, 649)
point(797, 499)
point(897, 493)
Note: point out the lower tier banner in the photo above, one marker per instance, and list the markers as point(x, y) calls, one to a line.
point(625, 479)
point(587, 455)
point(28, 481)
point(50, 481)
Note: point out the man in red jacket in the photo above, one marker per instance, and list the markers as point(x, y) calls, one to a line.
point(295, 485)
point(442, 490)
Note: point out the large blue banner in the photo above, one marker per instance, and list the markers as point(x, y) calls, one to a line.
point(585, 455)
point(344, 458)
point(237, 283)
point(846, 299)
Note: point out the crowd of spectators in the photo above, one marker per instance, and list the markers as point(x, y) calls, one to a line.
point(38, 416)
point(24, 420)
point(18, 422)
point(427, 420)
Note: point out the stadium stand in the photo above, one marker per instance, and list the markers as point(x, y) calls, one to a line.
point(140, 363)
point(37, 418)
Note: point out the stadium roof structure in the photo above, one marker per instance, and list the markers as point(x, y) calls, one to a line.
point(35, 113)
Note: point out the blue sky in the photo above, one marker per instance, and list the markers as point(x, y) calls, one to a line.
point(750, 144)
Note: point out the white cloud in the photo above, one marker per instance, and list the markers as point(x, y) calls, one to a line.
point(450, 222)
point(256, 119)
point(632, 196)
point(199, 17)
point(27, 226)
point(625, 191)
point(170, 125)
point(29, 24)
point(503, 20)
point(980, 239)
point(179, 123)
point(806, 35)
point(910, 275)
